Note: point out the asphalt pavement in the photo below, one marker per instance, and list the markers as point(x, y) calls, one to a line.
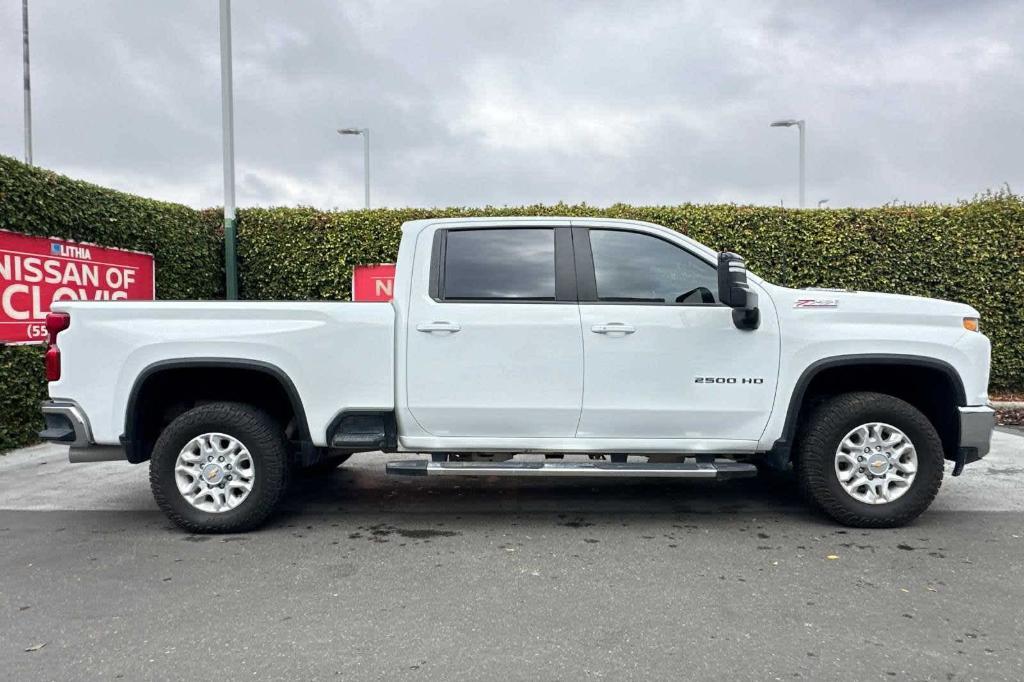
point(369, 577)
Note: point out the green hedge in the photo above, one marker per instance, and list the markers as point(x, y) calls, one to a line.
point(971, 252)
point(22, 386)
point(186, 245)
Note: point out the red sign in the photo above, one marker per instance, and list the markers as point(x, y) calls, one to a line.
point(373, 282)
point(38, 271)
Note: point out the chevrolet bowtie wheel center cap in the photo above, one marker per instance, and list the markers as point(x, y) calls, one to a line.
point(878, 464)
point(213, 474)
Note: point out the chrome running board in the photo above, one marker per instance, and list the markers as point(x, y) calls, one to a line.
point(716, 470)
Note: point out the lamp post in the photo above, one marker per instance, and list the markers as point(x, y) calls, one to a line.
point(27, 81)
point(228, 122)
point(800, 124)
point(365, 132)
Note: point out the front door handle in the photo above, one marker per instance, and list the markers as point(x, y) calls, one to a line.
point(613, 328)
point(449, 327)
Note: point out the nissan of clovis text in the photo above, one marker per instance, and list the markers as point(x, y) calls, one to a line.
point(530, 347)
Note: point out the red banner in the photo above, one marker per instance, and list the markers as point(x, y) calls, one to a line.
point(38, 271)
point(373, 282)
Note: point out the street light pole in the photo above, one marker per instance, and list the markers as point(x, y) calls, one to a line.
point(228, 123)
point(28, 83)
point(803, 163)
point(366, 167)
point(801, 125)
point(365, 132)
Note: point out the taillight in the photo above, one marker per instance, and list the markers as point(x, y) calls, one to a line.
point(53, 363)
point(55, 324)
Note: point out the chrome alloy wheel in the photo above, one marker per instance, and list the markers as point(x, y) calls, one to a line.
point(214, 472)
point(876, 463)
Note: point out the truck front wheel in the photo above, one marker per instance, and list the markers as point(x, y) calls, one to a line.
point(869, 460)
point(219, 468)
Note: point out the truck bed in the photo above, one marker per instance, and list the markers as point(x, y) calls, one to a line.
point(337, 355)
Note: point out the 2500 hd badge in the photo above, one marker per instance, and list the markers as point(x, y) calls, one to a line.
point(728, 380)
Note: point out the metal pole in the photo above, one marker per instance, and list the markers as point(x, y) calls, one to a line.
point(228, 121)
point(366, 164)
point(28, 84)
point(801, 125)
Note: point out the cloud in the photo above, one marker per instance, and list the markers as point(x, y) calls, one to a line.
point(520, 102)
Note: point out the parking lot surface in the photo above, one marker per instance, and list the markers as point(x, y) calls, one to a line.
point(370, 577)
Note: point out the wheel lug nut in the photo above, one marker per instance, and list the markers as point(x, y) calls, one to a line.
point(229, 477)
point(220, 459)
point(860, 458)
point(221, 485)
point(210, 458)
point(228, 467)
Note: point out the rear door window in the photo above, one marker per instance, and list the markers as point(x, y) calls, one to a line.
point(500, 264)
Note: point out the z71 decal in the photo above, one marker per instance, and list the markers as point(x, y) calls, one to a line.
point(816, 303)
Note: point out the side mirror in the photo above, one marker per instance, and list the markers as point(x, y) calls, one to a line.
point(734, 291)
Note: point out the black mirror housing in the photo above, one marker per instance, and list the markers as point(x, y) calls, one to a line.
point(734, 291)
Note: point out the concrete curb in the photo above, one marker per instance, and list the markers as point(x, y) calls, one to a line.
point(1007, 405)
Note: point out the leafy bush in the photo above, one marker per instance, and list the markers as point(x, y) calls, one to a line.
point(22, 387)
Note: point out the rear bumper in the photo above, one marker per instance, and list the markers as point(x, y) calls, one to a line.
point(66, 424)
point(976, 426)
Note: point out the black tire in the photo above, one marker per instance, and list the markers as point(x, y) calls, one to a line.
point(829, 423)
point(261, 435)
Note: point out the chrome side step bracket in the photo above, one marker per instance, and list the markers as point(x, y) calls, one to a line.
point(716, 470)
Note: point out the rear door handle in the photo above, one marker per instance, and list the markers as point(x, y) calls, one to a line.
point(613, 328)
point(449, 327)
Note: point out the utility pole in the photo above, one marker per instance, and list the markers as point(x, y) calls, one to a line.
point(28, 83)
point(228, 121)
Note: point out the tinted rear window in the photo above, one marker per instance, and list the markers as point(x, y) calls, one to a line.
point(500, 264)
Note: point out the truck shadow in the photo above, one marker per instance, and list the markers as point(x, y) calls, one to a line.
point(362, 486)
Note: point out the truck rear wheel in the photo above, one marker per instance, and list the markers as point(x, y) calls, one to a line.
point(220, 468)
point(869, 460)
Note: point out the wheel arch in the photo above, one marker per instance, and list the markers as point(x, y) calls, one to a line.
point(137, 439)
point(853, 372)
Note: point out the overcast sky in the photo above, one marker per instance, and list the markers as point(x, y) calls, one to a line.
point(474, 103)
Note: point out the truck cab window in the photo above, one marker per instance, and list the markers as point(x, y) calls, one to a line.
point(636, 267)
point(500, 264)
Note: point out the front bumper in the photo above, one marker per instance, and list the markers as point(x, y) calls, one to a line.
point(976, 426)
point(67, 424)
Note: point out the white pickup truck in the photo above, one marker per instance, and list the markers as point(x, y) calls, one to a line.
point(610, 347)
